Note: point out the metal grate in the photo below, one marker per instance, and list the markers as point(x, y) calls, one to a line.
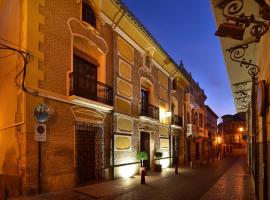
point(89, 152)
point(149, 111)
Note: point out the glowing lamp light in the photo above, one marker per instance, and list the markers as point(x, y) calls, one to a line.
point(128, 171)
point(218, 140)
point(241, 129)
point(165, 163)
point(168, 114)
point(162, 114)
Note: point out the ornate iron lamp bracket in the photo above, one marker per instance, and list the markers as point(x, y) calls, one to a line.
point(237, 54)
point(231, 10)
point(242, 95)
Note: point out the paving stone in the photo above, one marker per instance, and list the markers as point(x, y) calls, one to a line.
point(223, 179)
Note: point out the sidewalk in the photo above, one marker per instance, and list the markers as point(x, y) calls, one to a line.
point(223, 179)
point(235, 184)
point(105, 189)
point(120, 186)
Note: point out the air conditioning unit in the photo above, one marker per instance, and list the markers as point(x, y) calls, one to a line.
point(189, 130)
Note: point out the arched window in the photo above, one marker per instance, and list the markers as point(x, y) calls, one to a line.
point(88, 14)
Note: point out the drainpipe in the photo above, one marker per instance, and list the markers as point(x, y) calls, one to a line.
point(112, 138)
point(264, 137)
point(112, 120)
point(265, 161)
point(254, 113)
point(39, 168)
point(170, 103)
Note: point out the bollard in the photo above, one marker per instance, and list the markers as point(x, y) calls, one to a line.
point(176, 168)
point(143, 177)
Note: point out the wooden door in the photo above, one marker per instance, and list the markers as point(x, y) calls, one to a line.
point(85, 156)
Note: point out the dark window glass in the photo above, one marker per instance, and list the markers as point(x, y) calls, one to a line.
point(85, 78)
point(88, 14)
point(144, 95)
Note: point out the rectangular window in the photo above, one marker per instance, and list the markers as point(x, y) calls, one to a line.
point(144, 95)
point(201, 120)
point(88, 14)
point(84, 78)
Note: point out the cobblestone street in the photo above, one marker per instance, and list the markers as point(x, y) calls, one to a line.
point(223, 179)
point(226, 179)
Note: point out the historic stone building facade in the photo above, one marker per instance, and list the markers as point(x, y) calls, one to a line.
point(232, 131)
point(210, 128)
point(148, 99)
point(195, 123)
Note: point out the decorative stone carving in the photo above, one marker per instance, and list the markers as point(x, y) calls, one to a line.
point(146, 126)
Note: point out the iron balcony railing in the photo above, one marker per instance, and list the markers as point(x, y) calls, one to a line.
point(177, 120)
point(94, 90)
point(149, 110)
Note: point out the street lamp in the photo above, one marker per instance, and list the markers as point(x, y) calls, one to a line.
point(219, 140)
point(241, 129)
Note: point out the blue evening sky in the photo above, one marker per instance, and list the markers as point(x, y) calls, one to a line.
point(185, 29)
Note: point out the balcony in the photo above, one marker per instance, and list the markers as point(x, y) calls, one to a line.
point(148, 110)
point(176, 120)
point(95, 91)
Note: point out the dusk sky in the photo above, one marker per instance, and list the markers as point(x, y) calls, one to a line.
point(185, 29)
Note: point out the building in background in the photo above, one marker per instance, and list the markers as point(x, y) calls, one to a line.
point(211, 132)
point(195, 122)
point(232, 131)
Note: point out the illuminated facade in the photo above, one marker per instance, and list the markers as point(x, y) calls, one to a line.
point(211, 132)
point(232, 131)
point(149, 94)
point(195, 124)
point(110, 88)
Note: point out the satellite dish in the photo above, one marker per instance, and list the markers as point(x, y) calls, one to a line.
point(41, 112)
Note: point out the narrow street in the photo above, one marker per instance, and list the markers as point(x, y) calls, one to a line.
point(213, 182)
point(223, 179)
